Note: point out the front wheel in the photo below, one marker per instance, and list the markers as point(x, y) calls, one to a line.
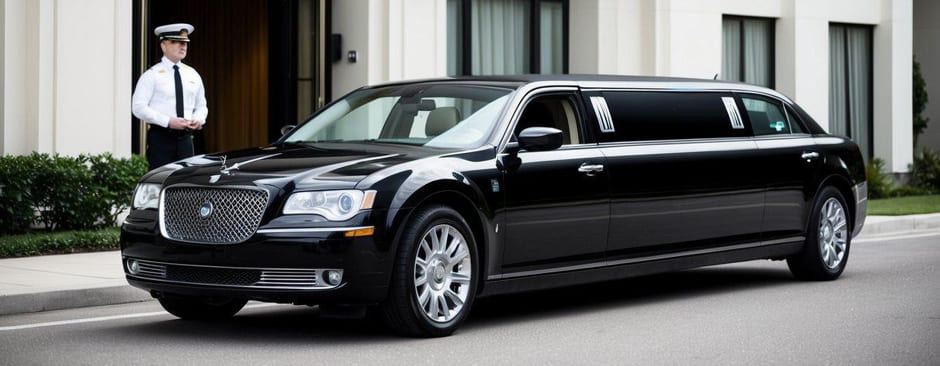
point(826, 250)
point(434, 281)
point(201, 308)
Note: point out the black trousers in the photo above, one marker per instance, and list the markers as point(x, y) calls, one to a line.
point(165, 146)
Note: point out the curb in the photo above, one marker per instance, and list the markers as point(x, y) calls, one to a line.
point(880, 225)
point(69, 299)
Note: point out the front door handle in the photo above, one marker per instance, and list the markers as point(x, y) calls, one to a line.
point(591, 169)
point(810, 155)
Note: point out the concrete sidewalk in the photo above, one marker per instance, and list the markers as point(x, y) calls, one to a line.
point(67, 281)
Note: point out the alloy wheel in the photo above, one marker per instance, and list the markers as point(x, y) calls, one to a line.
point(442, 273)
point(833, 233)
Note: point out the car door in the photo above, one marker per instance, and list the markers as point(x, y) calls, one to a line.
point(681, 170)
point(789, 162)
point(556, 201)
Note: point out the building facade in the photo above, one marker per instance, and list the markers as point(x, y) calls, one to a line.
point(68, 67)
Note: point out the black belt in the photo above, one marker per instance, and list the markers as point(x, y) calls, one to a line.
point(170, 131)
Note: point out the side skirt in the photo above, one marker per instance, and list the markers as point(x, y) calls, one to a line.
point(614, 270)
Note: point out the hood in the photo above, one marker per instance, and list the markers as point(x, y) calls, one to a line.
point(332, 165)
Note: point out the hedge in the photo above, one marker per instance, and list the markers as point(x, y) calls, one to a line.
point(60, 242)
point(65, 192)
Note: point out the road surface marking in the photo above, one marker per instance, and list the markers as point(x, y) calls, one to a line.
point(105, 318)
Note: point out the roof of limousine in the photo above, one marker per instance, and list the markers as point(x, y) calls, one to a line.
point(600, 81)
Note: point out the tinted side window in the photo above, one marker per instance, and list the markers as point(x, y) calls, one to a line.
point(796, 124)
point(641, 115)
point(766, 116)
point(557, 111)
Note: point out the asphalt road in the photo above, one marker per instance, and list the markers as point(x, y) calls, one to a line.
point(885, 310)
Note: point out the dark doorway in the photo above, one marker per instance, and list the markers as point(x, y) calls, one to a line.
point(260, 61)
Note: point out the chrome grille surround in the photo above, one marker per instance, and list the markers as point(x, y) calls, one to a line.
point(237, 277)
point(234, 213)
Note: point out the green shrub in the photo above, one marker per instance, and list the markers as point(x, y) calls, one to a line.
point(925, 170)
point(60, 242)
point(879, 182)
point(906, 191)
point(65, 193)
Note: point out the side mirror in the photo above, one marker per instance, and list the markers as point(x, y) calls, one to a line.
point(286, 129)
point(540, 138)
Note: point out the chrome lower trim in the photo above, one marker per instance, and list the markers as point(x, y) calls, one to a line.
point(312, 230)
point(621, 262)
point(268, 278)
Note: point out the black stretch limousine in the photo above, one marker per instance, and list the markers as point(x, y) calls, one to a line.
point(414, 198)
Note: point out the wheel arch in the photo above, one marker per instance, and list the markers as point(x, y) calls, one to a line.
point(844, 186)
point(461, 198)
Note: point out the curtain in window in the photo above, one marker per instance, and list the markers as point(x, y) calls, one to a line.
point(731, 50)
point(758, 39)
point(838, 116)
point(454, 39)
point(500, 33)
point(752, 38)
point(858, 63)
point(550, 34)
point(850, 94)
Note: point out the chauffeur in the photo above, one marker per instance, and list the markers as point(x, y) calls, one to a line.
point(170, 97)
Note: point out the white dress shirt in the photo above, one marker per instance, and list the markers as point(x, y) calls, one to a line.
point(154, 99)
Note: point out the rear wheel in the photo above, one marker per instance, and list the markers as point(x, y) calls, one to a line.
point(201, 308)
point(434, 282)
point(828, 239)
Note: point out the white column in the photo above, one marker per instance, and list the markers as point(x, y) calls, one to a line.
point(688, 38)
point(40, 77)
point(584, 37)
point(14, 77)
point(893, 50)
point(802, 56)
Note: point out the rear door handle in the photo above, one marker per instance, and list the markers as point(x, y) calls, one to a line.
point(810, 155)
point(591, 169)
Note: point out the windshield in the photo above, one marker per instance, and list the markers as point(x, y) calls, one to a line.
point(434, 115)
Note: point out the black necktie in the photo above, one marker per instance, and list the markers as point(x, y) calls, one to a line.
point(179, 90)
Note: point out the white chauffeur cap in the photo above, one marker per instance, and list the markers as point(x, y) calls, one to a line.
point(176, 32)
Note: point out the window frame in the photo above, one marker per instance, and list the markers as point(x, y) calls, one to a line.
point(773, 45)
point(465, 68)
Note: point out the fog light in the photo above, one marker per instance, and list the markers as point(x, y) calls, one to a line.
point(333, 277)
point(133, 267)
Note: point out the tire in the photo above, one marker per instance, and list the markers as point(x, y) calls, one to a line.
point(433, 283)
point(828, 239)
point(201, 308)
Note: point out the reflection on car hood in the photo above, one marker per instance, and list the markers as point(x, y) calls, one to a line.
point(332, 164)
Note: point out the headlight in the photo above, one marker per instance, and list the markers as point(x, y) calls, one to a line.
point(147, 195)
point(333, 205)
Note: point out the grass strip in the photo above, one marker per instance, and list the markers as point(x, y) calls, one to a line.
point(904, 205)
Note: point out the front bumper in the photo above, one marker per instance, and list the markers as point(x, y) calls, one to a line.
point(276, 265)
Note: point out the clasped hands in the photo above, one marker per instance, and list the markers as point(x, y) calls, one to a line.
point(178, 123)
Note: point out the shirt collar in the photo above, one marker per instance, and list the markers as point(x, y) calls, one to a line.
point(169, 64)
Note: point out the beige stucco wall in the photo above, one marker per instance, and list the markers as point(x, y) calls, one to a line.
point(395, 39)
point(66, 76)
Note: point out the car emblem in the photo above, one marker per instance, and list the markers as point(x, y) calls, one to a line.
point(205, 210)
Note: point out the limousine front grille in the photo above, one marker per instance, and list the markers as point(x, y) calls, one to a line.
point(212, 215)
point(258, 278)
